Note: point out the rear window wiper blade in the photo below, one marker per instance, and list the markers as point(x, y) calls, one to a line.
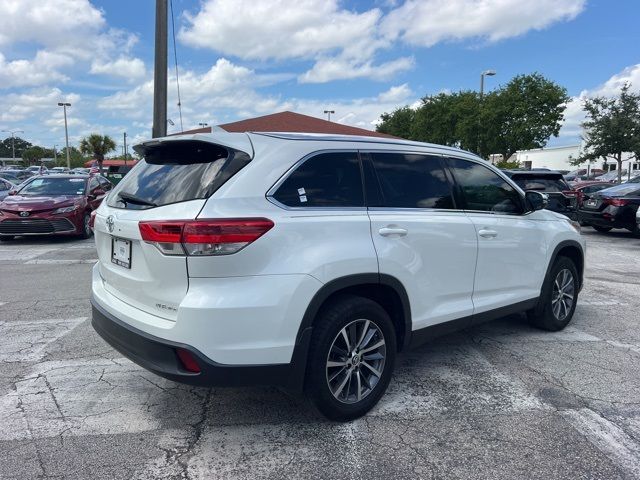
point(130, 198)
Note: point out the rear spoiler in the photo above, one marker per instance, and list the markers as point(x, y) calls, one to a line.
point(238, 142)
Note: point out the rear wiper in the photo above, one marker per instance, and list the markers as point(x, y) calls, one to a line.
point(130, 198)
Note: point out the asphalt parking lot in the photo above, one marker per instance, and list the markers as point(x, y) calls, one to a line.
point(498, 401)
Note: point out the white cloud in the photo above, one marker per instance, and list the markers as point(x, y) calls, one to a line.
point(66, 33)
point(574, 114)
point(43, 68)
point(428, 22)
point(399, 93)
point(20, 106)
point(276, 28)
point(340, 68)
point(129, 68)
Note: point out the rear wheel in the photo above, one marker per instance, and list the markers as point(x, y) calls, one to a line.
point(601, 229)
point(559, 297)
point(351, 358)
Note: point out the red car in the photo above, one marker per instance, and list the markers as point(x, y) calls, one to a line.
point(585, 189)
point(52, 204)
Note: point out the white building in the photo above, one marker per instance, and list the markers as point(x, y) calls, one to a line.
point(559, 158)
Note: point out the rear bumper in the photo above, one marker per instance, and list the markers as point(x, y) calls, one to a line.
point(159, 356)
point(599, 220)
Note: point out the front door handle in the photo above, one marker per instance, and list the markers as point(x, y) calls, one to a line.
point(485, 233)
point(390, 231)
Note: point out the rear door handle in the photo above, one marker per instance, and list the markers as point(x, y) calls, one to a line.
point(389, 231)
point(485, 233)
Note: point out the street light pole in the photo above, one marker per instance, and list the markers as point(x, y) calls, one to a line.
point(203, 124)
point(329, 112)
point(486, 73)
point(64, 105)
point(13, 143)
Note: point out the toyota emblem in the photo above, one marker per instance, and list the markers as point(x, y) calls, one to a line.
point(110, 223)
point(24, 214)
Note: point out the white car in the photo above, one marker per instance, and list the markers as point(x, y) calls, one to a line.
point(308, 261)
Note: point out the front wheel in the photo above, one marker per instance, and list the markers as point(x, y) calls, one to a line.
point(601, 229)
point(351, 358)
point(559, 296)
point(86, 226)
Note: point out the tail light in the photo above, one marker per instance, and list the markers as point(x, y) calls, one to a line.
point(204, 237)
point(615, 202)
point(570, 193)
point(92, 219)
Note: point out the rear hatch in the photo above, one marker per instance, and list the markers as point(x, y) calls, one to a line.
point(562, 198)
point(172, 183)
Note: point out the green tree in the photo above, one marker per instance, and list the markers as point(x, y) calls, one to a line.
point(612, 127)
point(97, 146)
point(75, 157)
point(20, 144)
point(33, 155)
point(397, 123)
point(523, 114)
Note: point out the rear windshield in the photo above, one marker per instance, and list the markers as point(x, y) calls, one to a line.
point(178, 171)
point(54, 186)
point(544, 184)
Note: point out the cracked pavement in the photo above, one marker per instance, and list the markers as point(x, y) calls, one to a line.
point(500, 400)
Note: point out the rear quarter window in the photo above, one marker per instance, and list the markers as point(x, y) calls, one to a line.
point(178, 171)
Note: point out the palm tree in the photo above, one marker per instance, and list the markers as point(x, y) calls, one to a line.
point(97, 146)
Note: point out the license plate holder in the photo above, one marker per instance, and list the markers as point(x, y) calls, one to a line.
point(121, 252)
point(592, 203)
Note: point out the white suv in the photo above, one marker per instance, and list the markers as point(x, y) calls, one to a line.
point(308, 261)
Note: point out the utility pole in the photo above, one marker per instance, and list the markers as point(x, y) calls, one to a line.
point(329, 112)
point(64, 105)
point(125, 148)
point(13, 143)
point(160, 71)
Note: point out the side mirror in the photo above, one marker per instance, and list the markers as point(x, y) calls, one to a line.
point(536, 200)
point(12, 192)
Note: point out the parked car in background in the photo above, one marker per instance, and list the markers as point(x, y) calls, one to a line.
point(38, 170)
point(614, 207)
point(116, 173)
point(562, 198)
point(17, 173)
point(52, 204)
point(10, 177)
point(582, 175)
point(5, 187)
point(59, 170)
point(584, 190)
point(81, 171)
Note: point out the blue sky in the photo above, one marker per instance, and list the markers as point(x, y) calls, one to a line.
point(241, 58)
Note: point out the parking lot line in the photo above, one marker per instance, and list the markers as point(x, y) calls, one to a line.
point(607, 437)
point(60, 261)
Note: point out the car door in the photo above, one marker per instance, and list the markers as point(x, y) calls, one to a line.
point(420, 237)
point(511, 244)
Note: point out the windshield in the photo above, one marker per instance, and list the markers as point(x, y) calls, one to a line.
point(54, 186)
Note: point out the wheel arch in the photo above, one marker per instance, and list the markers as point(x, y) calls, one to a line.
point(573, 250)
point(384, 289)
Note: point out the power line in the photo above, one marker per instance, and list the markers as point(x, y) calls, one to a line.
point(175, 57)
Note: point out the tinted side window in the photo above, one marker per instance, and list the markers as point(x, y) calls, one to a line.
point(483, 190)
point(412, 181)
point(93, 183)
point(326, 180)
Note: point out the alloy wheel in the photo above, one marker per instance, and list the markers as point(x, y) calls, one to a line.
point(563, 294)
point(356, 361)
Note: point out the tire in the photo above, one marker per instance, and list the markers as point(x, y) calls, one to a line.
point(601, 229)
point(6, 238)
point(86, 229)
point(553, 312)
point(334, 389)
